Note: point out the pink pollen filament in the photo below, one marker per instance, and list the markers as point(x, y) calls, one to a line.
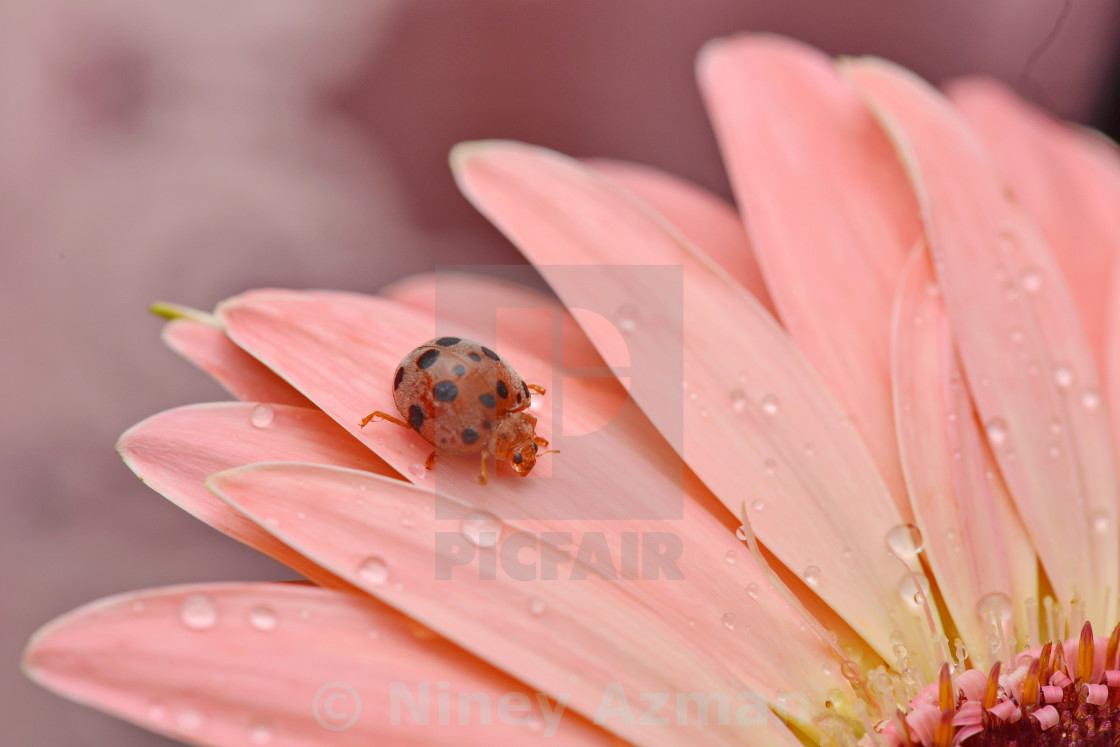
point(1051, 694)
point(1060, 679)
point(1095, 694)
point(1047, 717)
point(1006, 711)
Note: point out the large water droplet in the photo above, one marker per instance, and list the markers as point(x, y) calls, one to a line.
point(995, 606)
point(996, 429)
point(738, 401)
point(1063, 376)
point(1090, 398)
point(741, 533)
point(261, 416)
point(374, 570)
point(913, 590)
point(904, 540)
point(262, 618)
point(536, 606)
point(481, 528)
point(769, 405)
point(812, 575)
point(418, 470)
point(729, 621)
point(198, 612)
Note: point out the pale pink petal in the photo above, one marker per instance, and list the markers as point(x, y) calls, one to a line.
point(1068, 179)
point(971, 546)
point(828, 211)
point(175, 451)
point(613, 481)
point(241, 374)
point(705, 219)
point(571, 631)
point(761, 430)
point(285, 665)
point(1027, 360)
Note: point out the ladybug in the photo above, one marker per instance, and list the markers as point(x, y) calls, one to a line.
point(463, 398)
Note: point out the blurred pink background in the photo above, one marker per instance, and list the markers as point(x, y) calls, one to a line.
point(185, 152)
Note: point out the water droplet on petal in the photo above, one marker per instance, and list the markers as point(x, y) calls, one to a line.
point(771, 466)
point(729, 556)
point(729, 621)
point(627, 318)
point(752, 591)
point(847, 553)
point(1063, 376)
point(1032, 281)
point(536, 606)
point(738, 401)
point(261, 416)
point(1090, 398)
point(260, 734)
point(189, 720)
point(1100, 522)
point(812, 575)
point(262, 618)
point(769, 405)
point(418, 470)
point(198, 612)
point(481, 528)
point(996, 429)
point(904, 540)
point(913, 590)
point(374, 571)
point(996, 606)
point(758, 504)
point(741, 533)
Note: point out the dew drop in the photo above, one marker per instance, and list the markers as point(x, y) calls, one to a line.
point(904, 540)
point(481, 528)
point(1054, 451)
point(1090, 398)
point(758, 504)
point(262, 618)
point(374, 570)
point(729, 556)
point(418, 470)
point(703, 413)
point(1031, 281)
point(847, 553)
point(198, 612)
point(536, 606)
point(627, 318)
point(1063, 377)
point(996, 429)
point(994, 606)
point(260, 734)
point(827, 669)
point(741, 533)
point(913, 590)
point(729, 621)
point(771, 466)
point(752, 591)
point(812, 576)
point(769, 405)
point(261, 416)
point(738, 401)
point(1100, 522)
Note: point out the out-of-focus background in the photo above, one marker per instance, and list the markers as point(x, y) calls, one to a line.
point(187, 151)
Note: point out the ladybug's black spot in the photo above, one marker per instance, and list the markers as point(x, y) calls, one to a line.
point(446, 342)
point(416, 417)
point(470, 435)
point(488, 400)
point(474, 356)
point(427, 359)
point(443, 440)
point(445, 391)
point(486, 424)
point(459, 370)
point(399, 378)
point(490, 353)
point(503, 392)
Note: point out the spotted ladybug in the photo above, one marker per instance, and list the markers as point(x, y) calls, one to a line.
point(463, 398)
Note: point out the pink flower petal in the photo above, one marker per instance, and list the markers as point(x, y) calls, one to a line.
point(283, 665)
point(496, 596)
point(1068, 179)
point(241, 374)
point(705, 219)
point(1028, 362)
point(175, 451)
point(829, 213)
point(980, 556)
point(762, 429)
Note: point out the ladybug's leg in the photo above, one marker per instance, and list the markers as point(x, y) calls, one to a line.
point(482, 470)
point(536, 388)
point(431, 460)
point(382, 416)
point(543, 443)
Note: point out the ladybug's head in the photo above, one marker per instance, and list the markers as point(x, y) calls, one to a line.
point(516, 441)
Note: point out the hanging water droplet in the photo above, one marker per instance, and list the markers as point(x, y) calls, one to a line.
point(913, 590)
point(904, 540)
point(741, 533)
point(729, 556)
point(481, 528)
point(1032, 281)
point(812, 576)
point(262, 618)
point(752, 591)
point(261, 416)
point(418, 470)
point(1090, 398)
point(1100, 522)
point(995, 606)
point(198, 612)
point(739, 401)
point(260, 734)
point(758, 504)
point(374, 570)
point(1063, 376)
point(996, 429)
point(729, 621)
point(769, 405)
point(536, 606)
point(627, 318)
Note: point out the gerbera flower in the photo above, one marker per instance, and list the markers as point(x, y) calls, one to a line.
point(907, 413)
